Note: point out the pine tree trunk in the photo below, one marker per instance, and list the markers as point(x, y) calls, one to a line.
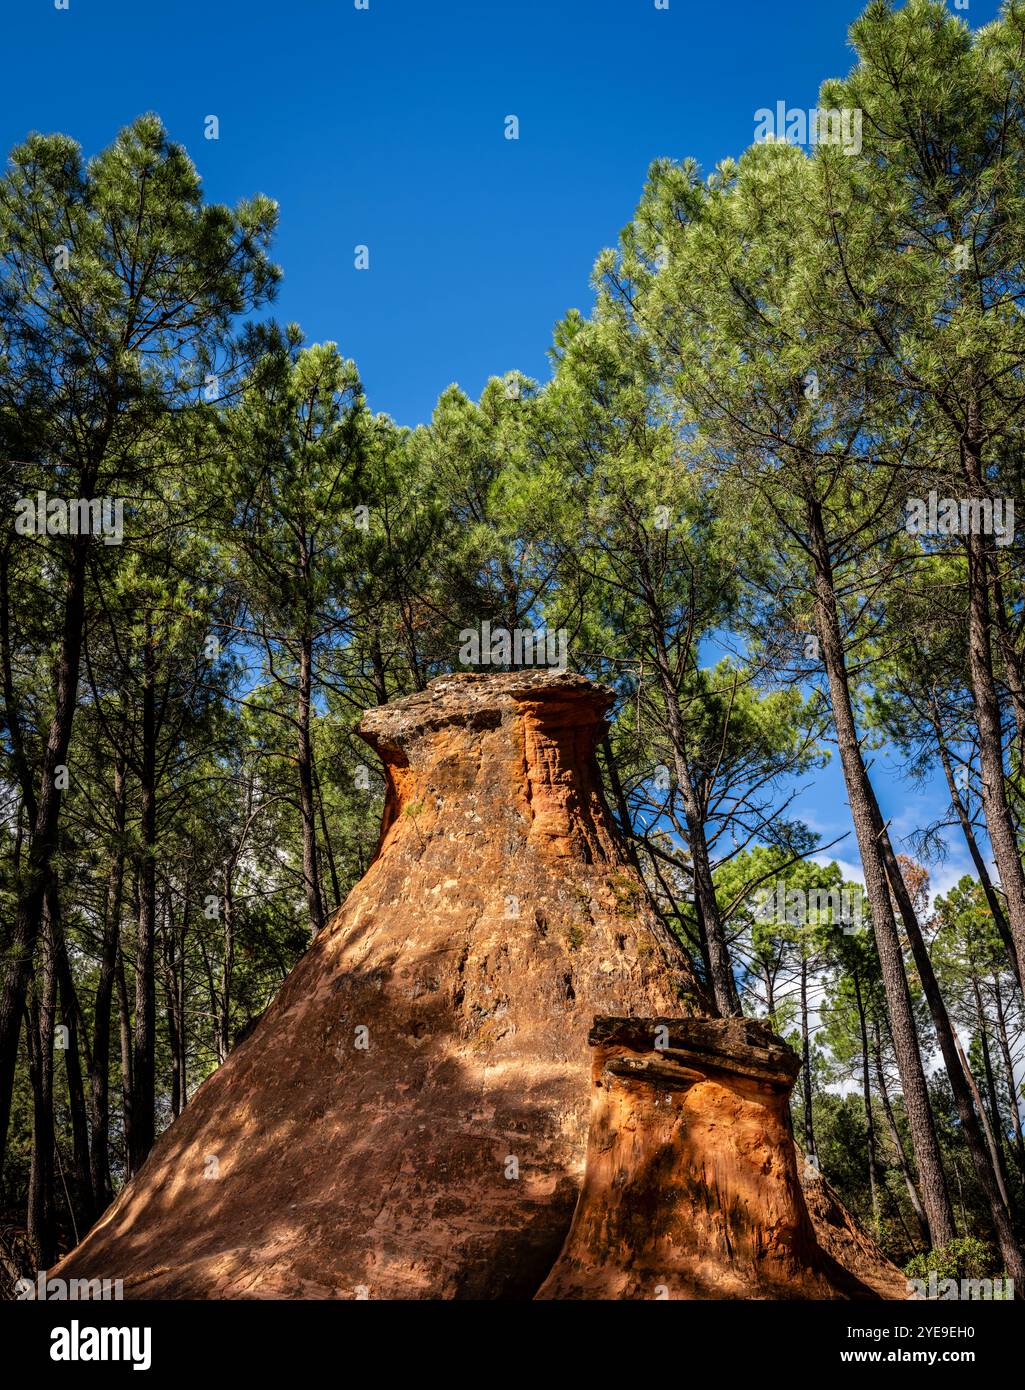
point(866, 1092)
point(902, 1022)
point(995, 1129)
point(41, 1214)
point(43, 842)
point(180, 1003)
point(377, 669)
point(962, 1083)
point(1012, 1090)
point(173, 1021)
point(770, 997)
point(124, 1009)
point(144, 1042)
point(311, 872)
point(720, 968)
point(227, 966)
point(999, 820)
point(715, 948)
point(328, 850)
point(1014, 675)
point(898, 1147)
point(99, 1075)
point(85, 1206)
point(981, 868)
point(809, 1125)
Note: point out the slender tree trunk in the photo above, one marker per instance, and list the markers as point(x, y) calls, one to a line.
point(1012, 1090)
point(181, 998)
point(809, 1126)
point(84, 1203)
point(41, 1215)
point(311, 873)
point(124, 1009)
point(770, 994)
point(962, 1083)
point(990, 1139)
point(967, 829)
point(173, 1020)
point(1014, 674)
point(328, 851)
point(866, 1092)
point(228, 965)
point(720, 968)
point(671, 943)
point(898, 1213)
point(995, 1131)
point(724, 988)
point(620, 802)
point(999, 821)
point(99, 1076)
point(377, 670)
point(902, 1022)
point(43, 843)
point(898, 1147)
point(42, 1140)
point(144, 1043)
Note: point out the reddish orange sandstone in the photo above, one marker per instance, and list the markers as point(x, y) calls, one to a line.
point(409, 1117)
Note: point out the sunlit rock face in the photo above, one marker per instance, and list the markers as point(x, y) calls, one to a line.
point(409, 1117)
point(692, 1187)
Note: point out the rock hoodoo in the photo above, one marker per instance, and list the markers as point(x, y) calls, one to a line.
point(409, 1118)
point(443, 1158)
point(692, 1186)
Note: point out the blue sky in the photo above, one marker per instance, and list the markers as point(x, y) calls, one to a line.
point(385, 127)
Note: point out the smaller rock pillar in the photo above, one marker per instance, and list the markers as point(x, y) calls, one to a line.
point(691, 1187)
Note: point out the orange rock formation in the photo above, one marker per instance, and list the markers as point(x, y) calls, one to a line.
point(692, 1188)
point(409, 1117)
point(443, 1158)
